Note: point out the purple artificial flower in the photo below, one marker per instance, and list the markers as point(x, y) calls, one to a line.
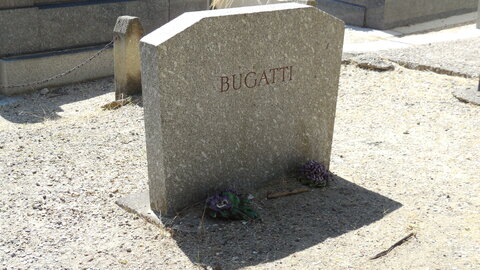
point(218, 203)
point(315, 172)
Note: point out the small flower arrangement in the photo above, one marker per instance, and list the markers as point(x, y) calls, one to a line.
point(229, 204)
point(314, 174)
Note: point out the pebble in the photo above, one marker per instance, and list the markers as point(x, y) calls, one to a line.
point(44, 91)
point(373, 63)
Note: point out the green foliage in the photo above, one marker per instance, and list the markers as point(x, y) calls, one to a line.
point(229, 205)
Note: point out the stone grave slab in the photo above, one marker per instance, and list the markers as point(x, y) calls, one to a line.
point(237, 98)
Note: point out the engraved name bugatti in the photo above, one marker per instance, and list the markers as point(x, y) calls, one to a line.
point(255, 79)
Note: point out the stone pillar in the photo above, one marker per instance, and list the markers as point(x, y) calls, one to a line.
point(478, 16)
point(128, 32)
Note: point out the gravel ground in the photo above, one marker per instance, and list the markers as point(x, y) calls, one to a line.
point(405, 154)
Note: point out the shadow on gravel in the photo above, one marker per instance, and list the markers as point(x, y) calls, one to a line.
point(288, 225)
point(36, 107)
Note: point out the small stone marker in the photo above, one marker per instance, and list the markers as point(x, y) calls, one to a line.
point(236, 98)
point(128, 32)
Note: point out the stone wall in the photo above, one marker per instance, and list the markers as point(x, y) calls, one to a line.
point(403, 12)
point(41, 26)
point(42, 38)
point(385, 14)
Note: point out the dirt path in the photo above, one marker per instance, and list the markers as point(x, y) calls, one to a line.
point(406, 156)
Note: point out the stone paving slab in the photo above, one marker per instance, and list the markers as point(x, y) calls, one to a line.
point(460, 57)
point(362, 40)
point(468, 95)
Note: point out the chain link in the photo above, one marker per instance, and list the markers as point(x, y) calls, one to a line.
point(63, 73)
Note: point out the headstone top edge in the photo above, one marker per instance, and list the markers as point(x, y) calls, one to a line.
point(124, 22)
point(127, 17)
point(188, 19)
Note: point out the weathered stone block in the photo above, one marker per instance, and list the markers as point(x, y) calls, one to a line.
point(404, 12)
point(385, 14)
point(49, 2)
point(153, 13)
point(59, 27)
point(16, 38)
point(351, 14)
point(244, 3)
point(178, 7)
point(15, 3)
point(32, 68)
point(128, 32)
point(237, 98)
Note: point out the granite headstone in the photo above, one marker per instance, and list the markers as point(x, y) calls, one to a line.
point(235, 98)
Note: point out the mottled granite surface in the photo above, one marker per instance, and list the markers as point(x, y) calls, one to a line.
point(237, 98)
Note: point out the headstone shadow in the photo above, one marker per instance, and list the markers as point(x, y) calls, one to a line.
point(288, 225)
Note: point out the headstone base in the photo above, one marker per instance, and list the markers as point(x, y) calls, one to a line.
point(193, 219)
point(139, 204)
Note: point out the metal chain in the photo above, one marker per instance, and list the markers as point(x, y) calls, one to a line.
point(63, 73)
